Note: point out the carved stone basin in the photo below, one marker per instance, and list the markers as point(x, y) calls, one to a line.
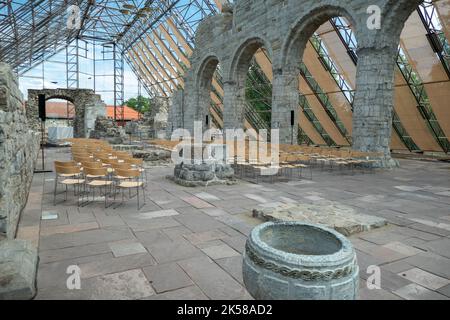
point(299, 261)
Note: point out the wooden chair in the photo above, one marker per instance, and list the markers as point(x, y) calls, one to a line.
point(129, 179)
point(69, 163)
point(139, 164)
point(92, 164)
point(71, 176)
point(96, 178)
point(79, 159)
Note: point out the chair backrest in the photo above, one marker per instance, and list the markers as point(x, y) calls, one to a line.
point(122, 153)
point(135, 161)
point(67, 169)
point(95, 171)
point(123, 166)
point(78, 149)
point(127, 173)
point(70, 163)
point(109, 161)
point(92, 164)
point(100, 156)
point(82, 158)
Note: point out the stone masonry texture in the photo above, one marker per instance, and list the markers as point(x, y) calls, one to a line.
point(18, 150)
point(283, 28)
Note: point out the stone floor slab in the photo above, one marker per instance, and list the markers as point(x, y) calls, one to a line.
point(173, 251)
point(402, 248)
point(167, 277)
point(206, 196)
point(126, 285)
point(232, 265)
point(126, 247)
point(220, 251)
point(425, 279)
point(47, 231)
point(188, 293)
point(111, 264)
point(415, 292)
point(197, 202)
point(52, 255)
point(211, 279)
point(441, 247)
point(157, 214)
point(199, 237)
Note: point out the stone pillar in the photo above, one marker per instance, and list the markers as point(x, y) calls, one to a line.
point(233, 106)
point(373, 104)
point(285, 100)
point(204, 104)
point(189, 109)
point(175, 115)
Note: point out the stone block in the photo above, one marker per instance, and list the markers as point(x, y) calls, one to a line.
point(343, 219)
point(18, 266)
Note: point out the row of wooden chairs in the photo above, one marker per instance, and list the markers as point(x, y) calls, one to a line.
point(95, 164)
point(91, 176)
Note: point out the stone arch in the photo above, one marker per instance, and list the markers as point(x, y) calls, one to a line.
point(237, 74)
point(88, 106)
point(395, 15)
point(285, 99)
point(60, 96)
point(203, 85)
point(302, 30)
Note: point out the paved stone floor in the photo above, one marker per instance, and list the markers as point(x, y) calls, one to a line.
point(187, 243)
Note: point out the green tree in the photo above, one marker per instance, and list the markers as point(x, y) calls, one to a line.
point(140, 104)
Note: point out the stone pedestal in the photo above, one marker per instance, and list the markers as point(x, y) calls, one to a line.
point(192, 175)
point(203, 164)
point(18, 266)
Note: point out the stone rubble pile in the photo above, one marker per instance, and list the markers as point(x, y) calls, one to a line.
point(106, 129)
point(153, 124)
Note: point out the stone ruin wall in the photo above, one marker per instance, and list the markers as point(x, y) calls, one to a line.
point(283, 28)
point(19, 146)
point(153, 124)
point(88, 106)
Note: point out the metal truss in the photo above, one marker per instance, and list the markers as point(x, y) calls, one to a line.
point(436, 36)
point(329, 65)
point(309, 113)
point(118, 84)
point(417, 88)
point(324, 100)
point(33, 31)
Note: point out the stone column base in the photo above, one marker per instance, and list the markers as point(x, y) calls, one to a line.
point(386, 162)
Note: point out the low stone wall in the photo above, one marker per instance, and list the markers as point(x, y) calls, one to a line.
point(19, 146)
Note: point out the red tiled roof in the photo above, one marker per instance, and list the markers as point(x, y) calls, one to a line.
point(58, 110)
point(128, 113)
